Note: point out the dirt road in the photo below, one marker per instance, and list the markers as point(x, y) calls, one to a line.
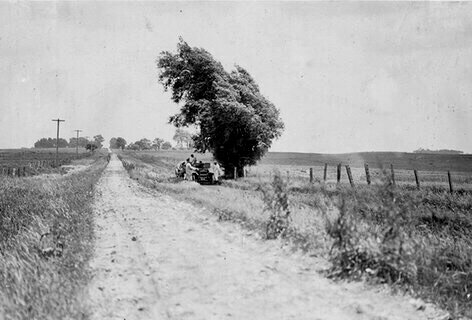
point(159, 258)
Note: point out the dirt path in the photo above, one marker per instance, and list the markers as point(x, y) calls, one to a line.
point(159, 258)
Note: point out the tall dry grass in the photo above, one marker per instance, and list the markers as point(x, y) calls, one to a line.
point(46, 240)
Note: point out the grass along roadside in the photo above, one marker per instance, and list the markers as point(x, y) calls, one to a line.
point(46, 241)
point(419, 241)
point(229, 202)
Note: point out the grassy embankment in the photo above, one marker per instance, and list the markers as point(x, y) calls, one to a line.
point(417, 240)
point(46, 240)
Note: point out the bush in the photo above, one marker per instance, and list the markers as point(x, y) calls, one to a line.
point(275, 197)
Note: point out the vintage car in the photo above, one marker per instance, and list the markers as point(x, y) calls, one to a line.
point(203, 174)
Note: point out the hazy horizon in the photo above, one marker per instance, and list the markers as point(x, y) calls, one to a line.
point(351, 76)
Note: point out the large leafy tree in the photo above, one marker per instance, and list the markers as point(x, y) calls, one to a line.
point(235, 121)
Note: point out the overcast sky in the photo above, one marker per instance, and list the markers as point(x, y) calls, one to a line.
point(357, 76)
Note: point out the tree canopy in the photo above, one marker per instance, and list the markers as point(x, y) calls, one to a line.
point(98, 139)
point(50, 143)
point(235, 121)
point(117, 143)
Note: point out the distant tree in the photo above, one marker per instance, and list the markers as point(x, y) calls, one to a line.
point(133, 146)
point(235, 121)
point(113, 144)
point(143, 144)
point(98, 139)
point(157, 143)
point(441, 151)
point(91, 147)
point(44, 143)
point(166, 145)
point(120, 143)
point(82, 142)
point(182, 138)
point(50, 143)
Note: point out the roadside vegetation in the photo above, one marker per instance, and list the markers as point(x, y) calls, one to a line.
point(46, 241)
point(416, 240)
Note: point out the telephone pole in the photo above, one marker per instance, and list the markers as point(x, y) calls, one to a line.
point(57, 139)
point(77, 145)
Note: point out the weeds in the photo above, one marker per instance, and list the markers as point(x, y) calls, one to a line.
point(276, 203)
point(406, 238)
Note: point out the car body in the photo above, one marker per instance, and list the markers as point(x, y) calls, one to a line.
point(203, 174)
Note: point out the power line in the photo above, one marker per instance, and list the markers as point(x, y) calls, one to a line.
point(57, 139)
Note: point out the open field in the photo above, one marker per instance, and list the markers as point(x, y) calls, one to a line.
point(400, 160)
point(432, 169)
point(21, 162)
point(20, 156)
point(418, 240)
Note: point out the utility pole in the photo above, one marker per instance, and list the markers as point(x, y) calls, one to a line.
point(57, 140)
point(77, 145)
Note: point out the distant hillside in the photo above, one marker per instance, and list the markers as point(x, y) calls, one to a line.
point(442, 151)
point(400, 160)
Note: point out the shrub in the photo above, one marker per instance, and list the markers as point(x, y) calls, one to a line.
point(275, 197)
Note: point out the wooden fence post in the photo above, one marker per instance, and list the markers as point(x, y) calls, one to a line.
point(338, 173)
point(325, 173)
point(417, 179)
point(392, 174)
point(367, 173)
point(349, 175)
point(451, 190)
point(311, 175)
